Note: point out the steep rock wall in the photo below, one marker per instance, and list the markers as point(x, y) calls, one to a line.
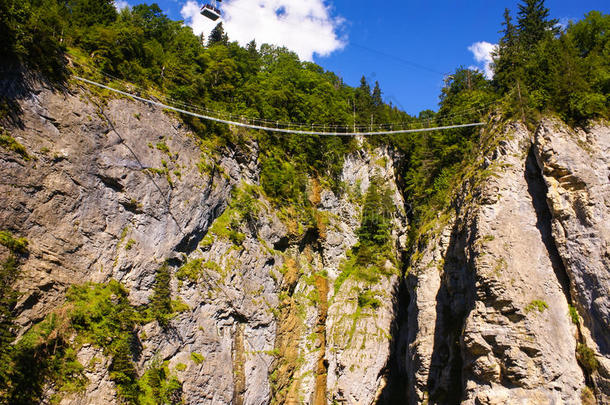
point(116, 188)
point(489, 317)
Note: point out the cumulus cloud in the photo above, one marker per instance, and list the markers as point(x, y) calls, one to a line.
point(120, 4)
point(564, 23)
point(482, 53)
point(305, 27)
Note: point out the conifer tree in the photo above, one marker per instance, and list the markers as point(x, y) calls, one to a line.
point(218, 36)
point(534, 23)
point(90, 12)
point(506, 56)
point(377, 100)
point(364, 102)
point(162, 295)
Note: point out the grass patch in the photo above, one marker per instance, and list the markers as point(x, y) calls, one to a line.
point(197, 358)
point(15, 245)
point(368, 299)
point(162, 147)
point(129, 244)
point(538, 305)
point(573, 312)
point(586, 357)
point(9, 143)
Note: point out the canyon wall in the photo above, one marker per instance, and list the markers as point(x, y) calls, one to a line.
point(503, 300)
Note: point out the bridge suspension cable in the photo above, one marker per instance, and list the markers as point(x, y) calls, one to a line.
point(271, 129)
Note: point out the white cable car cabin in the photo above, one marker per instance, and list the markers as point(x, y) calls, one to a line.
point(211, 11)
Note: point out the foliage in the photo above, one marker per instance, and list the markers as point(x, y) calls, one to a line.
point(15, 245)
point(8, 299)
point(197, 358)
point(368, 299)
point(538, 305)
point(586, 357)
point(131, 242)
point(368, 259)
point(242, 210)
point(158, 387)
point(573, 312)
point(102, 315)
point(376, 215)
point(8, 142)
point(545, 69)
point(30, 33)
point(161, 302)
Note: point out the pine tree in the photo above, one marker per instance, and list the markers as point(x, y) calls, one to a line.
point(218, 36)
point(534, 23)
point(377, 100)
point(8, 299)
point(507, 55)
point(364, 102)
point(252, 48)
point(91, 12)
point(161, 301)
point(510, 31)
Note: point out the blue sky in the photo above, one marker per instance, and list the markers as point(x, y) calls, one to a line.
point(380, 40)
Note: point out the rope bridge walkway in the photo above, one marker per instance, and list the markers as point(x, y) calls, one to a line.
point(272, 129)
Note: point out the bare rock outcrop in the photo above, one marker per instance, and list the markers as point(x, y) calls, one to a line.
point(506, 299)
point(489, 315)
point(576, 168)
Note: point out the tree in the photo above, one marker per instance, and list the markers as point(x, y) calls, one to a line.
point(252, 48)
point(376, 214)
point(161, 301)
point(8, 299)
point(218, 36)
point(507, 56)
point(363, 102)
point(91, 12)
point(534, 23)
point(376, 97)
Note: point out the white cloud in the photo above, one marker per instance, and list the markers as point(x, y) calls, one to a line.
point(120, 4)
point(305, 27)
point(564, 23)
point(482, 53)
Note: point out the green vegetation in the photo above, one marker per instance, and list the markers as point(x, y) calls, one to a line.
point(369, 258)
point(587, 397)
point(15, 245)
point(8, 142)
point(9, 272)
point(161, 302)
point(368, 299)
point(573, 312)
point(538, 305)
point(586, 357)
point(163, 147)
point(548, 69)
point(157, 386)
point(538, 68)
point(243, 209)
point(95, 314)
point(197, 358)
point(130, 242)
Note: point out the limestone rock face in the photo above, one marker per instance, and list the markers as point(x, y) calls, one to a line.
point(576, 168)
point(489, 319)
point(477, 312)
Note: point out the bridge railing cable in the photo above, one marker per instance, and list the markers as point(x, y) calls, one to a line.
point(271, 129)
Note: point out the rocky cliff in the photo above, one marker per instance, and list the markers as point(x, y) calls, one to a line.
point(503, 300)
